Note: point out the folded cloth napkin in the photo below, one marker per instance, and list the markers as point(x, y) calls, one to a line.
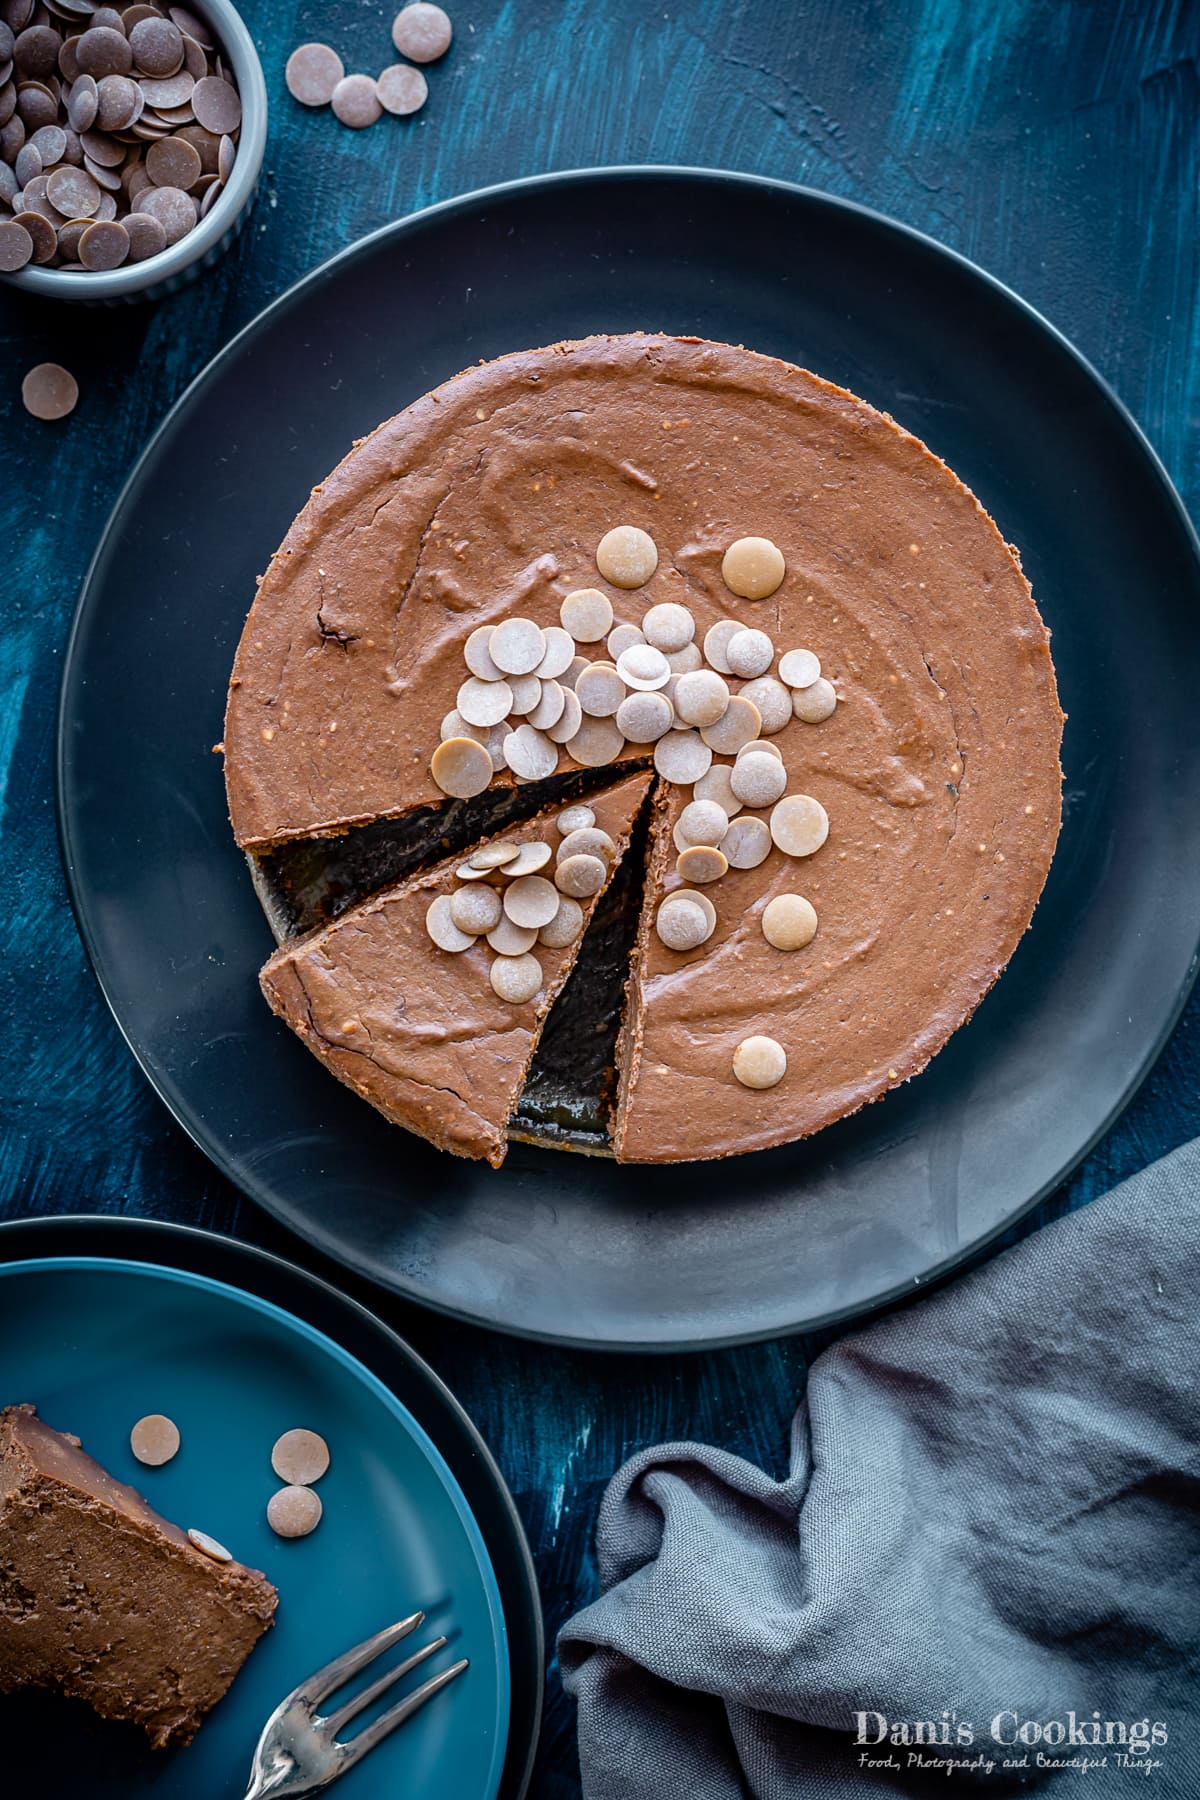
point(988, 1546)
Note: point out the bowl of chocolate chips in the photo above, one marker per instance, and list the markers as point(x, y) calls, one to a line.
point(131, 141)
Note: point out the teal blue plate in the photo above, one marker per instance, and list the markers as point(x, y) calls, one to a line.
point(95, 1344)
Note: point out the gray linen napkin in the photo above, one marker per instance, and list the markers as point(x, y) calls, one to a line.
point(993, 1514)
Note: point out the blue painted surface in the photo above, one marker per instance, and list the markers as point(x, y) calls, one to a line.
point(1054, 141)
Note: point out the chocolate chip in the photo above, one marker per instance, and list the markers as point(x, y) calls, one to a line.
point(16, 246)
point(174, 210)
point(154, 1440)
point(173, 90)
point(35, 51)
point(355, 102)
point(36, 105)
point(217, 105)
point(73, 193)
point(293, 1512)
point(753, 568)
point(104, 245)
point(50, 142)
point(627, 556)
point(516, 978)
point(402, 89)
point(49, 391)
point(101, 52)
point(157, 46)
point(120, 103)
point(45, 240)
point(759, 1062)
point(300, 1457)
point(312, 73)
point(173, 163)
point(422, 32)
point(146, 236)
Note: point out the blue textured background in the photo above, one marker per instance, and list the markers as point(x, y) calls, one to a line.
point(1054, 141)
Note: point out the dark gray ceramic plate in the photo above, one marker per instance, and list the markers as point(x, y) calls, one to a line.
point(566, 1247)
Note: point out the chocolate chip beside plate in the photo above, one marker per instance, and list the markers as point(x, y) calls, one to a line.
point(312, 73)
point(422, 32)
point(355, 102)
point(402, 90)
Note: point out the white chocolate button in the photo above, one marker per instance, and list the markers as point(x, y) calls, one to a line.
point(154, 1440)
point(484, 702)
point(600, 690)
point(587, 614)
point(799, 668)
point(739, 724)
point(682, 757)
point(681, 925)
point(494, 744)
point(293, 1512)
point(581, 876)
point(517, 646)
point(564, 927)
point(508, 939)
point(528, 860)
point(531, 900)
point(700, 863)
point(799, 825)
point(622, 638)
point(550, 708)
point(669, 626)
point(587, 840)
point(494, 856)
point(644, 718)
point(702, 901)
point(598, 741)
point(627, 556)
point(759, 1062)
point(530, 753)
point(570, 720)
point(749, 653)
point(701, 697)
point(684, 661)
point(747, 843)
point(560, 648)
point(773, 700)
point(526, 693)
point(643, 668)
point(702, 822)
point(475, 910)
point(715, 786)
point(815, 703)
point(578, 665)
point(454, 725)
point(716, 641)
point(753, 568)
point(461, 767)
point(439, 923)
point(300, 1457)
point(757, 779)
point(516, 978)
point(759, 747)
point(209, 1546)
point(789, 922)
point(575, 818)
point(477, 656)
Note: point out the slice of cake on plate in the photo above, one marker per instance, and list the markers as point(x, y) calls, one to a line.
point(429, 998)
point(106, 1601)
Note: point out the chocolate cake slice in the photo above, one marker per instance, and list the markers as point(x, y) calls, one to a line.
point(106, 1601)
point(418, 1026)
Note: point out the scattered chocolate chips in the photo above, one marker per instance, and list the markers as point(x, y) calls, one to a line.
point(101, 108)
point(209, 1546)
point(49, 391)
point(759, 1062)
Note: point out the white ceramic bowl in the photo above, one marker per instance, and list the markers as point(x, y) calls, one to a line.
point(181, 262)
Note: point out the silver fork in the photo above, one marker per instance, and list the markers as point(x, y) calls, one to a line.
point(300, 1751)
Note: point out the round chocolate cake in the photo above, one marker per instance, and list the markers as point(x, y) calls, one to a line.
point(663, 553)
